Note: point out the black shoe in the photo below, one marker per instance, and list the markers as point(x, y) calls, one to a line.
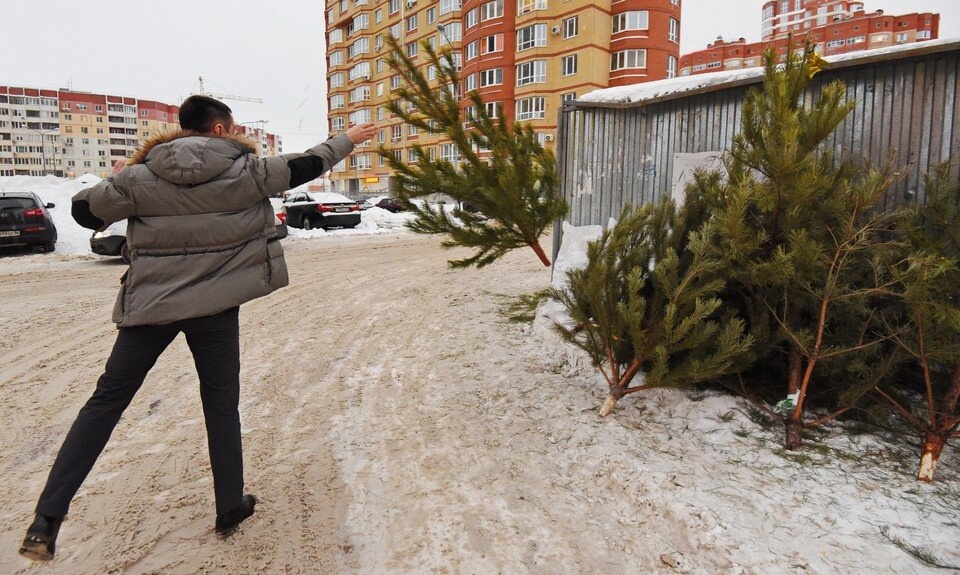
point(41, 541)
point(229, 521)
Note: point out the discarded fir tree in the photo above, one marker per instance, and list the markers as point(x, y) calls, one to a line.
point(504, 182)
point(928, 283)
point(646, 303)
point(801, 234)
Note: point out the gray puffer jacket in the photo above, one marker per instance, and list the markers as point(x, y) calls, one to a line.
point(200, 225)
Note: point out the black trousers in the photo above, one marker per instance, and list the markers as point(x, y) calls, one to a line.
point(215, 344)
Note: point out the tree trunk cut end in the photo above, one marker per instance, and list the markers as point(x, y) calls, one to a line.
point(933, 444)
point(608, 405)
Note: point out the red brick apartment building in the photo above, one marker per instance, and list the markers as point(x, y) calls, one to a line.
point(524, 57)
point(835, 26)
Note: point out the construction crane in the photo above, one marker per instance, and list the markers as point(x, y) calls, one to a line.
point(203, 92)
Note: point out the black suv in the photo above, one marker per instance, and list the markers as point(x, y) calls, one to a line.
point(25, 221)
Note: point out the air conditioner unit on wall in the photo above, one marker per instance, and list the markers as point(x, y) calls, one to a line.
point(548, 137)
point(555, 30)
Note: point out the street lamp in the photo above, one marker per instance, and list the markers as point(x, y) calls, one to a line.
point(43, 147)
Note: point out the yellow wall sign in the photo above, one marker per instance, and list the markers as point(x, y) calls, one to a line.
point(371, 180)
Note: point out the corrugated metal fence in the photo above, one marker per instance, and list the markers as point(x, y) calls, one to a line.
point(907, 108)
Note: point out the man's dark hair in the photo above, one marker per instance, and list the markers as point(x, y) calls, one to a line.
point(201, 113)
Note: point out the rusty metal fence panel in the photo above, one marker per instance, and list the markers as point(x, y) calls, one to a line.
point(906, 111)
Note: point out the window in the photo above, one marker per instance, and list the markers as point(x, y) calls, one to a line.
point(491, 77)
point(470, 50)
point(336, 58)
point(570, 27)
point(361, 162)
point(491, 10)
point(568, 65)
point(394, 82)
point(413, 49)
point(531, 108)
point(531, 36)
point(378, 16)
point(360, 93)
point(361, 46)
point(336, 80)
point(524, 6)
point(470, 82)
point(411, 23)
point(628, 59)
point(533, 72)
point(360, 71)
point(633, 20)
point(431, 15)
point(396, 133)
point(337, 124)
point(336, 35)
point(361, 22)
point(671, 66)
point(449, 6)
point(673, 34)
point(411, 156)
point(336, 101)
point(394, 6)
point(449, 153)
point(472, 17)
point(568, 97)
point(492, 43)
point(395, 30)
point(493, 109)
point(450, 32)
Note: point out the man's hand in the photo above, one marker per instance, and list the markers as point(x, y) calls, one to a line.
point(361, 133)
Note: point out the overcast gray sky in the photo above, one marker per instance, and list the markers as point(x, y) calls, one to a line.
point(270, 50)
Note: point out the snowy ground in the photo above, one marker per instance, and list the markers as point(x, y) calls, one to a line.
point(395, 422)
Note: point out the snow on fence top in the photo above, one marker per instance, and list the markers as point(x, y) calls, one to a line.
point(647, 92)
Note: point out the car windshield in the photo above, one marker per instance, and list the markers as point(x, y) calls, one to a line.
point(16, 203)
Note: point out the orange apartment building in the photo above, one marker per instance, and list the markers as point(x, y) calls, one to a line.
point(524, 58)
point(68, 134)
point(835, 27)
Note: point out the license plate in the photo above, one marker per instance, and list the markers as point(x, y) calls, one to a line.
point(338, 210)
point(11, 234)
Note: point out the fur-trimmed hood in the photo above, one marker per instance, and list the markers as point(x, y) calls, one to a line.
point(190, 158)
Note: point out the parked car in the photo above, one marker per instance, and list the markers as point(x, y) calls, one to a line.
point(391, 205)
point(25, 221)
point(112, 240)
point(309, 210)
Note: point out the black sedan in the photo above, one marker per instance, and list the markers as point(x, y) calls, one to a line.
point(25, 221)
point(309, 210)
